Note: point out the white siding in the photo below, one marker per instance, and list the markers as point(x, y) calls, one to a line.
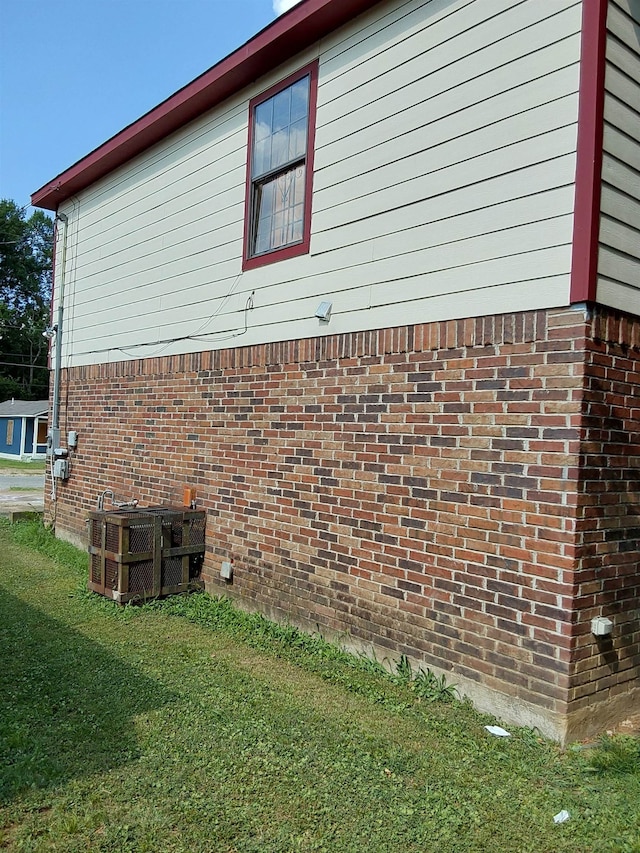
point(443, 187)
point(619, 257)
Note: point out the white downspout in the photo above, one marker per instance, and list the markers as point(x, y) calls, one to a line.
point(55, 414)
point(54, 431)
point(23, 435)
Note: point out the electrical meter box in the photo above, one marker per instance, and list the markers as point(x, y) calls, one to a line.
point(61, 469)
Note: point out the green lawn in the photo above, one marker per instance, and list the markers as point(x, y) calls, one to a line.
point(188, 726)
point(22, 467)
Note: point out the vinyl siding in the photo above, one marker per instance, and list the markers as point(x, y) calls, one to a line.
point(443, 187)
point(11, 428)
point(619, 256)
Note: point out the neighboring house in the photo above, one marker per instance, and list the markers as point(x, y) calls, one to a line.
point(443, 460)
point(23, 429)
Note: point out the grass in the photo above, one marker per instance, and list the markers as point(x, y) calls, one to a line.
point(25, 489)
point(187, 725)
point(37, 467)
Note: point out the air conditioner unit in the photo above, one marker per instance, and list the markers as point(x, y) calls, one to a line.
point(145, 553)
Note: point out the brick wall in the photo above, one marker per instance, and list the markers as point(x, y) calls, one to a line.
point(436, 490)
point(607, 581)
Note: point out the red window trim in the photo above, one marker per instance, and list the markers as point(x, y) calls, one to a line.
point(296, 249)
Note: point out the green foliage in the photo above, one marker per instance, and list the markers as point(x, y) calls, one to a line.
point(425, 684)
point(357, 673)
point(429, 686)
point(25, 258)
point(403, 670)
point(26, 247)
point(617, 754)
point(188, 726)
point(9, 387)
point(33, 534)
point(625, 845)
point(17, 465)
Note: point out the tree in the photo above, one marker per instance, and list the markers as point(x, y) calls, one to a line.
point(26, 249)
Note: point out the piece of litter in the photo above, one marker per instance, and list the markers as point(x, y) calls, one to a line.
point(498, 731)
point(561, 817)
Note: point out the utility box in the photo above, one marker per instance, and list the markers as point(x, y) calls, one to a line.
point(61, 469)
point(137, 554)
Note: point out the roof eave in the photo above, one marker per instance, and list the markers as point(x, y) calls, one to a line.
point(288, 35)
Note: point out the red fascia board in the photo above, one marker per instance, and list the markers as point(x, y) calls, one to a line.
point(586, 216)
point(289, 34)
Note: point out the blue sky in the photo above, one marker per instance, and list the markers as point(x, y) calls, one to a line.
point(74, 72)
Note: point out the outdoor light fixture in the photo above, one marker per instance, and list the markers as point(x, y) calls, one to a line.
point(323, 311)
point(49, 332)
point(601, 626)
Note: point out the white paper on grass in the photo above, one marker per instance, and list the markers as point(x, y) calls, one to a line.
point(498, 731)
point(561, 817)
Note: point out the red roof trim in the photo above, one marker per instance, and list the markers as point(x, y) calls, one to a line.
point(586, 215)
point(288, 35)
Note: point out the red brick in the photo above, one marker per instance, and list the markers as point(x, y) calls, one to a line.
point(480, 479)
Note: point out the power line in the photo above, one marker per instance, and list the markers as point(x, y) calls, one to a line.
point(16, 355)
point(17, 364)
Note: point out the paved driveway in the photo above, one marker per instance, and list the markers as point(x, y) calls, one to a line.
point(21, 491)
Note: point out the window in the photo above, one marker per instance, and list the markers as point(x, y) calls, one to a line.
point(280, 170)
point(41, 437)
point(9, 440)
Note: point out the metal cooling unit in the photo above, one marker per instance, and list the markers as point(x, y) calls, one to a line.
point(145, 553)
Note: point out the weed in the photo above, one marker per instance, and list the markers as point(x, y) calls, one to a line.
point(370, 663)
point(616, 754)
point(403, 670)
point(427, 685)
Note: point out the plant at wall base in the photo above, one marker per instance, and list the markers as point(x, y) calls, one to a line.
point(427, 685)
point(370, 663)
point(403, 670)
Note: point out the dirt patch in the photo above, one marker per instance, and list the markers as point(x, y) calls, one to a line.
point(630, 726)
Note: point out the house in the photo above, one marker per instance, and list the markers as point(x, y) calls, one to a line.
point(371, 287)
point(23, 429)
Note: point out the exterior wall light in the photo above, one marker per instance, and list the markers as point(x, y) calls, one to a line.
point(601, 626)
point(323, 311)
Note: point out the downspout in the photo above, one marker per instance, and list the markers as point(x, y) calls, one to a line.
point(23, 436)
point(57, 365)
point(54, 431)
